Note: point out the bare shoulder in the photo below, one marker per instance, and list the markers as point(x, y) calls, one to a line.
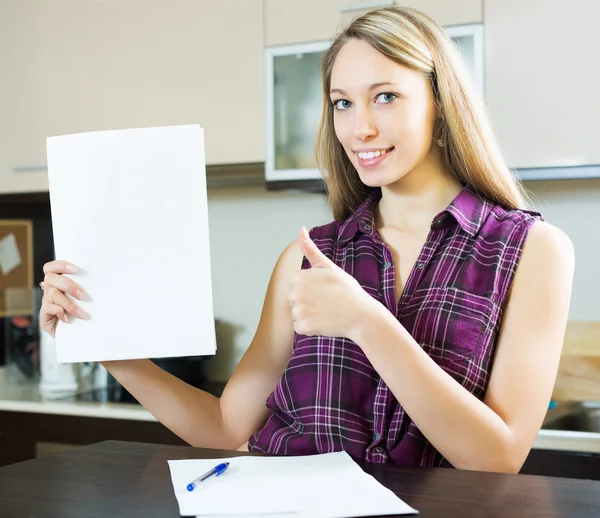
point(546, 265)
point(550, 245)
point(291, 257)
point(288, 263)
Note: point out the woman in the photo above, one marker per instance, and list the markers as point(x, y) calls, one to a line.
point(424, 325)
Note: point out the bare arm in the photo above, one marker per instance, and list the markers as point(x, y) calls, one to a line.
point(227, 422)
point(496, 434)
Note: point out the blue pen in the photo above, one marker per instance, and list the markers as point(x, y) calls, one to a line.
point(217, 470)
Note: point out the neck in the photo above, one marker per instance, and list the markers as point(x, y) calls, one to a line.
point(411, 203)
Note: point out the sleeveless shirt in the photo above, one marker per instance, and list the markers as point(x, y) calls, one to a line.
point(330, 398)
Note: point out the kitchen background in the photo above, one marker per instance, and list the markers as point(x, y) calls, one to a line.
point(82, 65)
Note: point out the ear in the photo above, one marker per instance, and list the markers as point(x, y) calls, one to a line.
point(315, 257)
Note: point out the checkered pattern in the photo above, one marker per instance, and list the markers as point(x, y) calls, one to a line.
point(330, 397)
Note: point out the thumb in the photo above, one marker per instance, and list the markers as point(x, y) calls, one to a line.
point(311, 252)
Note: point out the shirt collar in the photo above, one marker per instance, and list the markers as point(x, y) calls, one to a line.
point(363, 219)
point(468, 209)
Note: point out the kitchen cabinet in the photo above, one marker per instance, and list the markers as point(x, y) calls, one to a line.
point(21, 142)
point(569, 464)
point(25, 435)
point(87, 65)
point(541, 80)
point(288, 22)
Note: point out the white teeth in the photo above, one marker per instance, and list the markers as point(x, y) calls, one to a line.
point(371, 154)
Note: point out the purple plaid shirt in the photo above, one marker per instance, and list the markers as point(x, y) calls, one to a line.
point(330, 398)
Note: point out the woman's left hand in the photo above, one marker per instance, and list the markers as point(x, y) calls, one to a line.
point(325, 300)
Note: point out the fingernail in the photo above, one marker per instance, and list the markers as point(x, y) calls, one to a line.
point(72, 268)
point(81, 313)
point(81, 295)
point(65, 318)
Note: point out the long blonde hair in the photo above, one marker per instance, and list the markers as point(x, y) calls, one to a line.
point(470, 152)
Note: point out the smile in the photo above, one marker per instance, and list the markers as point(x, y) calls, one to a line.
point(369, 155)
point(372, 158)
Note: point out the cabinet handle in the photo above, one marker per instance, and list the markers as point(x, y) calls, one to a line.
point(32, 168)
point(366, 5)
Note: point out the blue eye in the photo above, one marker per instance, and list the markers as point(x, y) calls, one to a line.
point(386, 97)
point(342, 104)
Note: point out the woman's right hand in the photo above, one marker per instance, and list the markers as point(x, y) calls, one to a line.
point(55, 304)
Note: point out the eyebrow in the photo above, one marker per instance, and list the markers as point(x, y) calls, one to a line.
point(372, 87)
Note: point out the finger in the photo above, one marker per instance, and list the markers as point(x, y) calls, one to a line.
point(292, 298)
point(60, 267)
point(64, 284)
point(295, 313)
point(315, 257)
point(49, 313)
point(302, 329)
point(57, 297)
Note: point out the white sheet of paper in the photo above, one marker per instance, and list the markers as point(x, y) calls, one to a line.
point(10, 258)
point(330, 485)
point(129, 208)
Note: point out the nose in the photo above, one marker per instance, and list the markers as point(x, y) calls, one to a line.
point(364, 124)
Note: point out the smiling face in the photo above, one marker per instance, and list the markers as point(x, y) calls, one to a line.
point(384, 114)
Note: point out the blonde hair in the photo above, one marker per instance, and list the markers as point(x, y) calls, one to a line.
point(470, 152)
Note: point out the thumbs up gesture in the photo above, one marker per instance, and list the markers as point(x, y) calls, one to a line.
point(325, 300)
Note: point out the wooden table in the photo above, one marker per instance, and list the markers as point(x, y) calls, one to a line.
point(121, 479)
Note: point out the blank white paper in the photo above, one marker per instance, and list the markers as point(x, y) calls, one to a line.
point(329, 485)
point(129, 208)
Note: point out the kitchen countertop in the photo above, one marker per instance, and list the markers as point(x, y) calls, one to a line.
point(24, 396)
point(563, 440)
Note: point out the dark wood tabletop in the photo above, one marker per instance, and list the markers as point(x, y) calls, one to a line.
point(122, 479)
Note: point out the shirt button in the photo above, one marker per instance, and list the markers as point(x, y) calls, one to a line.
point(379, 449)
point(387, 264)
point(420, 266)
point(377, 436)
point(367, 226)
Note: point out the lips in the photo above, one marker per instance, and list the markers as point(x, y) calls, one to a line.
point(373, 157)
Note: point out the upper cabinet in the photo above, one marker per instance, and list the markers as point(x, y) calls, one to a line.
point(87, 65)
point(109, 65)
point(289, 22)
point(542, 80)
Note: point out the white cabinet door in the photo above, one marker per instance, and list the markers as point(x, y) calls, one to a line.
point(95, 65)
point(542, 80)
point(299, 21)
point(21, 140)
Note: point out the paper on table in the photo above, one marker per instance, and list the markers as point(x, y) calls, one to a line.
point(330, 485)
point(129, 208)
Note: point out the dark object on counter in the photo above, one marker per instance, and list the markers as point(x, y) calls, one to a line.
point(22, 345)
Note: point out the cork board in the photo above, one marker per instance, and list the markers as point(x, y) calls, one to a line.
point(16, 282)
